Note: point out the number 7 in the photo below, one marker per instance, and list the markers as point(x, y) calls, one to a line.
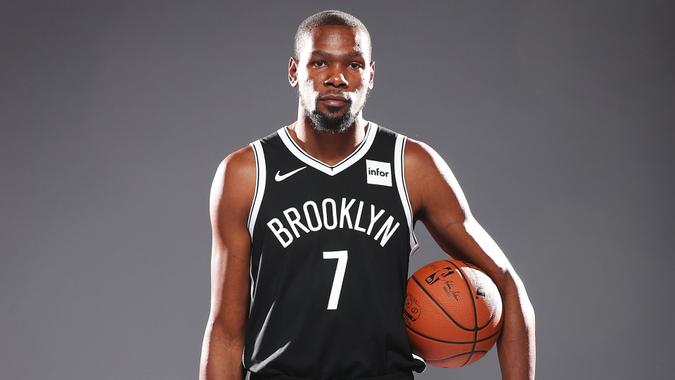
point(339, 276)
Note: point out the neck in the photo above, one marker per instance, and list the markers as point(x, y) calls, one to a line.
point(327, 147)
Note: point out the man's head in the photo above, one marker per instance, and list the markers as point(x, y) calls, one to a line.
point(332, 59)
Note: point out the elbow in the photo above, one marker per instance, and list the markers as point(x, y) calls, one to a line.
point(513, 290)
point(231, 337)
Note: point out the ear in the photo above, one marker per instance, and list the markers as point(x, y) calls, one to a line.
point(372, 75)
point(292, 72)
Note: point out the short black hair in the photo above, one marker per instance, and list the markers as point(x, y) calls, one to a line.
point(328, 17)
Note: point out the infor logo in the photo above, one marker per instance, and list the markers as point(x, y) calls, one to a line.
point(378, 173)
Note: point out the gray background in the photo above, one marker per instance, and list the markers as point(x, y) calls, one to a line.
point(556, 117)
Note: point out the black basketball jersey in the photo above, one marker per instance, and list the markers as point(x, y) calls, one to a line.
point(329, 262)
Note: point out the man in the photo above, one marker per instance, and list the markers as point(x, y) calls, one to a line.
point(313, 227)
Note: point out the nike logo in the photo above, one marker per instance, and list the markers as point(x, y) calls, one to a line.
point(280, 177)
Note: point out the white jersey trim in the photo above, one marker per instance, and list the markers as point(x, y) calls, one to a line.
point(260, 180)
point(399, 170)
point(331, 170)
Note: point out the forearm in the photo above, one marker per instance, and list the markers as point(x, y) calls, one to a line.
point(221, 356)
point(516, 345)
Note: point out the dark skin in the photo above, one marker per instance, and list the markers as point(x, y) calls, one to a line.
point(342, 64)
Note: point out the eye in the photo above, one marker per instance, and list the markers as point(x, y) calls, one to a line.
point(318, 63)
point(356, 65)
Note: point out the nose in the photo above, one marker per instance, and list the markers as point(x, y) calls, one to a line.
point(336, 79)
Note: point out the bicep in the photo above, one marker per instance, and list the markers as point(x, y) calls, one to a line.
point(230, 199)
point(447, 217)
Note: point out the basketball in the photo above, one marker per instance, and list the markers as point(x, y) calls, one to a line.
point(453, 313)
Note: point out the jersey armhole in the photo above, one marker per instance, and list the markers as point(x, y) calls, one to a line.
point(399, 170)
point(260, 179)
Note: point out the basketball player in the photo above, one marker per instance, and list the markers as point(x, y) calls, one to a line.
point(313, 228)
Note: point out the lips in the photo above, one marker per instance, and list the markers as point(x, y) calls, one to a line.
point(334, 100)
point(333, 97)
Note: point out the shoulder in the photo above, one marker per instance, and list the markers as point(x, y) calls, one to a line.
point(239, 164)
point(420, 171)
point(420, 158)
point(430, 179)
point(416, 153)
point(238, 170)
point(234, 181)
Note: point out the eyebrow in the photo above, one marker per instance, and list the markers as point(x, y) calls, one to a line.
point(324, 54)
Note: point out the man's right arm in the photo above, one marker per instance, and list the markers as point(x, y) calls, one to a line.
point(231, 196)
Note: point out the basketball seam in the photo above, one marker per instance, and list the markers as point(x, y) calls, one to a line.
point(449, 341)
point(492, 316)
point(475, 312)
point(439, 306)
point(454, 356)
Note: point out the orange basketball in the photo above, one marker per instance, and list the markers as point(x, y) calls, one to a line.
point(453, 313)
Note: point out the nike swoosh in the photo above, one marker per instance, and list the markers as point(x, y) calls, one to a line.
point(279, 177)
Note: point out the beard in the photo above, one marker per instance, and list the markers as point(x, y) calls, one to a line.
point(324, 122)
point(333, 124)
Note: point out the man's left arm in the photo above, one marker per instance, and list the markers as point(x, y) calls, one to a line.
point(438, 201)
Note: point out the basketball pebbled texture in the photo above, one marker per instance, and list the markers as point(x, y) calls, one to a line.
point(453, 313)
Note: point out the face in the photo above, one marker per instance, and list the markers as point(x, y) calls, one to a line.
point(333, 75)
